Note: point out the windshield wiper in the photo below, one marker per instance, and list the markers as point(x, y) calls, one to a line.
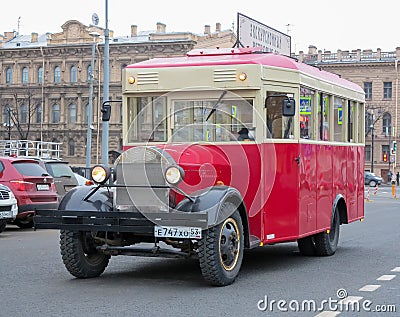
point(216, 105)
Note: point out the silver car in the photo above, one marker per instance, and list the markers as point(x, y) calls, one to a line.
point(8, 206)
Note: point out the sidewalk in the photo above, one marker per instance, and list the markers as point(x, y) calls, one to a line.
point(388, 185)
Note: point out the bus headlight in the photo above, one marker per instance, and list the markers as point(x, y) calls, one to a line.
point(100, 174)
point(174, 175)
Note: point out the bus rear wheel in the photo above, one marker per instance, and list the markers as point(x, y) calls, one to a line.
point(221, 250)
point(80, 256)
point(326, 243)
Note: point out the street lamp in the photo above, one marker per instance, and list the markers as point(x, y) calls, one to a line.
point(388, 133)
point(104, 135)
point(90, 110)
point(396, 116)
point(372, 122)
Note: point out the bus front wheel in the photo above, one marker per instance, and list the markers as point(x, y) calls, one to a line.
point(221, 250)
point(80, 256)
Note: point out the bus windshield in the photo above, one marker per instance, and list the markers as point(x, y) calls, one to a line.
point(189, 120)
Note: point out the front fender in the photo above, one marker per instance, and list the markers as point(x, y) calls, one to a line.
point(210, 200)
point(75, 200)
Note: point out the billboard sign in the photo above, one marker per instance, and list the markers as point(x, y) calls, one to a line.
point(254, 34)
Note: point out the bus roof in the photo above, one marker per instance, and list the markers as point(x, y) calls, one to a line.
point(235, 56)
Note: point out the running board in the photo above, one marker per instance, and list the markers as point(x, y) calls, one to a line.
point(145, 252)
point(254, 242)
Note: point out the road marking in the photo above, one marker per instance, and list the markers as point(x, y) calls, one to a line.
point(328, 314)
point(369, 288)
point(386, 277)
point(396, 269)
point(350, 299)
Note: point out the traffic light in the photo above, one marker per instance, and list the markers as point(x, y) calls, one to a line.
point(394, 147)
point(385, 157)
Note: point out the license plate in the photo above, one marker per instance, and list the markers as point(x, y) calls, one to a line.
point(42, 186)
point(178, 232)
point(5, 214)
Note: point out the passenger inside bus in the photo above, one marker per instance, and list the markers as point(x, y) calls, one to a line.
point(244, 135)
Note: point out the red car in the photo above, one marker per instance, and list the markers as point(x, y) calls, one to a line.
point(32, 186)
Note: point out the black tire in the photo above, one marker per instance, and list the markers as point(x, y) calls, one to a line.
point(307, 246)
point(221, 249)
point(3, 224)
point(372, 184)
point(80, 256)
point(326, 243)
point(24, 223)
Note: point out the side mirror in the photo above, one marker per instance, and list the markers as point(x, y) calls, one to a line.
point(288, 107)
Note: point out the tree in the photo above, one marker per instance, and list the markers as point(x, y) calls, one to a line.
point(23, 110)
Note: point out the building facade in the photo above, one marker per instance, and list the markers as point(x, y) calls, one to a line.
point(378, 73)
point(45, 81)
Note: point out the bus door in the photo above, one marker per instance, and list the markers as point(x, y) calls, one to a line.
point(307, 160)
point(281, 170)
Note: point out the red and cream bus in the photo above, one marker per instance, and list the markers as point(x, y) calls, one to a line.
point(224, 149)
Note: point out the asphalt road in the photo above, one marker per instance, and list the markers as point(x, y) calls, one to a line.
point(34, 281)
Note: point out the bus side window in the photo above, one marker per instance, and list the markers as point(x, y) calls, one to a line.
point(278, 127)
point(306, 113)
point(350, 115)
point(323, 117)
point(338, 126)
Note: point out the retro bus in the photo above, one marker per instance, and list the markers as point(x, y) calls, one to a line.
point(223, 150)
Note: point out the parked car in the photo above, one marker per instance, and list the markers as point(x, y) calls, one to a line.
point(8, 206)
point(83, 181)
point(32, 186)
point(371, 179)
point(64, 177)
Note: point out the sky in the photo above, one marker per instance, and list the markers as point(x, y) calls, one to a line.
point(328, 25)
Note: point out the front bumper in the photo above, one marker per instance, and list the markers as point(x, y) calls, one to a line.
point(30, 208)
point(116, 221)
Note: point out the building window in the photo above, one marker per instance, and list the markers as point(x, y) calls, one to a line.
point(386, 123)
point(387, 90)
point(7, 116)
point(56, 113)
point(25, 75)
point(72, 113)
point(40, 75)
point(39, 114)
point(86, 114)
point(89, 72)
point(9, 76)
point(368, 90)
point(71, 147)
point(368, 152)
point(73, 74)
point(385, 150)
point(57, 74)
point(24, 114)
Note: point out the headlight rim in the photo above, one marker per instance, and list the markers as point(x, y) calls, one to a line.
point(107, 173)
point(181, 174)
